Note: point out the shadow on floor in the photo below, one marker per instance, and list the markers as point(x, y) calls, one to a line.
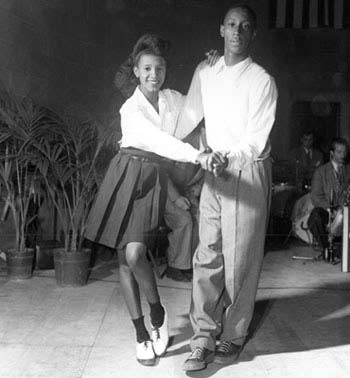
point(318, 319)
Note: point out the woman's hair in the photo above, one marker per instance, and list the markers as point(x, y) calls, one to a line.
point(150, 44)
point(125, 79)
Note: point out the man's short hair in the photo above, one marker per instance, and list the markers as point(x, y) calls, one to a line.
point(340, 141)
point(308, 132)
point(246, 8)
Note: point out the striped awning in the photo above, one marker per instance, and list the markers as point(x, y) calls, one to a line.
point(306, 14)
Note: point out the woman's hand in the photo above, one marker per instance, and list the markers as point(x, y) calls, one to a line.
point(212, 57)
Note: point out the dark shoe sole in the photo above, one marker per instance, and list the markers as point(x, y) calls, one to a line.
point(178, 278)
point(226, 360)
point(147, 362)
point(189, 277)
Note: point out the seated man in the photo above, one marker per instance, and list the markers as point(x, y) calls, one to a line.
point(305, 159)
point(329, 187)
point(178, 218)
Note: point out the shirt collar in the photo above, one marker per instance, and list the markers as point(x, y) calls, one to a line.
point(162, 103)
point(140, 96)
point(142, 100)
point(336, 166)
point(220, 65)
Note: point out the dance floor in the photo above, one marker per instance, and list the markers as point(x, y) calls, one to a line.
point(301, 325)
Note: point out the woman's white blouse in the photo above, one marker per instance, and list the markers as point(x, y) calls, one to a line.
point(143, 128)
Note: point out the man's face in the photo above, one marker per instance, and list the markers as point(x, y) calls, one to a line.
point(307, 141)
point(339, 154)
point(238, 31)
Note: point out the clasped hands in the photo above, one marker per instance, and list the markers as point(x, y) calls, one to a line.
point(333, 210)
point(213, 161)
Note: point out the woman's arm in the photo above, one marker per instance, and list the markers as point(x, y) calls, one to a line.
point(139, 132)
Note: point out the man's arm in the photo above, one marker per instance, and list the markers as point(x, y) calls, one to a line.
point(261, 117)
point(318, 158)
point(192, 111)
point(318, 194)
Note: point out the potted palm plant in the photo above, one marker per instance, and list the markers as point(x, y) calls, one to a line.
point(21, 127)
point(69, 169)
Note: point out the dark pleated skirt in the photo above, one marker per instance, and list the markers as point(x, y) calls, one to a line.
point(130, 202)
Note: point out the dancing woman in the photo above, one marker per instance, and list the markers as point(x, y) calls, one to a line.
point(131, 198)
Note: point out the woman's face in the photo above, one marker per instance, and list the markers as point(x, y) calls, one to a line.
point(150, 70)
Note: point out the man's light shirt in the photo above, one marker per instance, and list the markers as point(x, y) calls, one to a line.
point(238, 103)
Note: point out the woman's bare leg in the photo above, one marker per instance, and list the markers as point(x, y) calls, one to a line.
point(135, 255)
point(130, 288)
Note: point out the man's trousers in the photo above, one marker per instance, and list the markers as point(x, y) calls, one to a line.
point(227, 263)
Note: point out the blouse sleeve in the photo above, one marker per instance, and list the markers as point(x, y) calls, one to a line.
point(139, 132)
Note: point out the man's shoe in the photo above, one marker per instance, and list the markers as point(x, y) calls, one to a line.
point(176, 274)
point(145, 353)
point(227, 352)
point(198, 359)
point(160, 336)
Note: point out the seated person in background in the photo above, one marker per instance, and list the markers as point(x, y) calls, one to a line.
point(329, 187)
point(192, 192)
point(305, 159)
point(178, 218)
point(181, 211)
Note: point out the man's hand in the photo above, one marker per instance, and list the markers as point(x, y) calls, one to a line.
point(214, 162)
point(183, 203)
point(334, 210)
point(218, 169)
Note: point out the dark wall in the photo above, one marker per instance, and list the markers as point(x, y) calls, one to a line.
point(56, 52)
point(64, 53)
